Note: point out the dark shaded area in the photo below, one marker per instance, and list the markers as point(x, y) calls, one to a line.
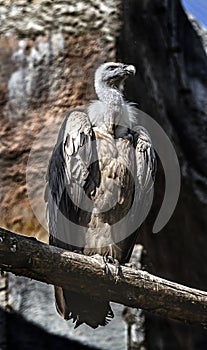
point(158, 326)
point(171, 86)
point(21, 334)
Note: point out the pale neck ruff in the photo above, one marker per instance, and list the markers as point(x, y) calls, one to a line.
point(109, 95)
point(110, 110)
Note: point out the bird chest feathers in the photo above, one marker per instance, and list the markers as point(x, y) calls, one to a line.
point(116, 163)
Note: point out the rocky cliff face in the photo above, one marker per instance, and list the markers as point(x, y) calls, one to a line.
point(201, 31)
point(48, 54)
point(171, 87)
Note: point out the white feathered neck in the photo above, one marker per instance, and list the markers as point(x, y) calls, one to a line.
point(110, 110)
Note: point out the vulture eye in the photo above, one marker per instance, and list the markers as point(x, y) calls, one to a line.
point(111, 68)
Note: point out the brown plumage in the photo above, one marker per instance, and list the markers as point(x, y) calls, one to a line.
point(101, 171)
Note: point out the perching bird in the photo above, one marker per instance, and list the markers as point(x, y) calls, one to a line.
point(99, 182)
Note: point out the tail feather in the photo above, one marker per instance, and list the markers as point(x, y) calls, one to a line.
point(60, 303)
point(82, 309)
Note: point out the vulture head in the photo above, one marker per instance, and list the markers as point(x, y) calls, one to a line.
point(113, 74)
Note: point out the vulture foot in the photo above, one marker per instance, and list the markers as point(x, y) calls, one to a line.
point(115, 271)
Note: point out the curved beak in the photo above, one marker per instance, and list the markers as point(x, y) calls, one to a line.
point(131, 70)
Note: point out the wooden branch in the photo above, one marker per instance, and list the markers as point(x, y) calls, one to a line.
point(25, 256)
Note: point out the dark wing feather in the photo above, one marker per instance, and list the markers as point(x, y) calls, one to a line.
point(73, 174)
point(69, 172)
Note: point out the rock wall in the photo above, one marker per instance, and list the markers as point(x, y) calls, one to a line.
point(201, 31)
point(48, 53)
point(170, 85)
point(33, 323)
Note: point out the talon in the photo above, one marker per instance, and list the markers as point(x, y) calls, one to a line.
point(118, 269)
point(107, 269)
point(116, 279)
point(110, 260)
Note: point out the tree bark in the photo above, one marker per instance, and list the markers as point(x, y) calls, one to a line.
point(27, 257)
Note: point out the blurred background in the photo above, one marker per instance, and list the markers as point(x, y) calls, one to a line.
point(49, 51)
